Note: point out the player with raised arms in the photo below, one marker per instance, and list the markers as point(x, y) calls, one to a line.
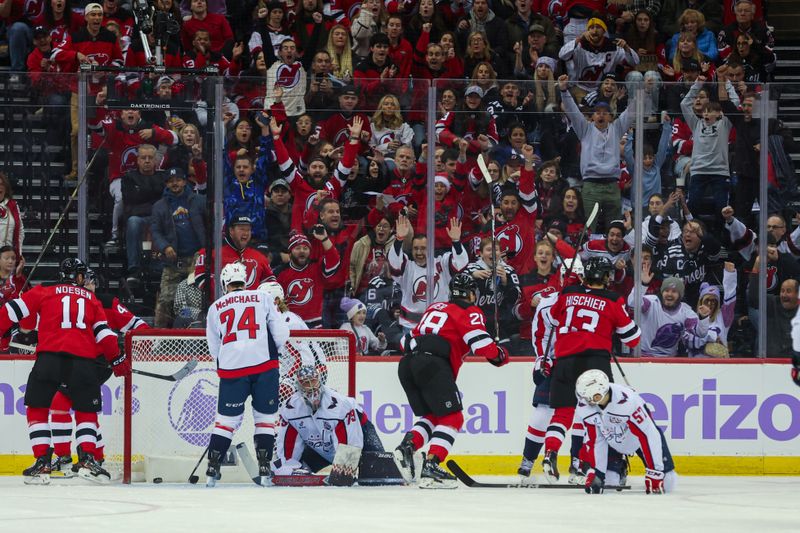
point(72, 331)
point(618, 423)
point(587, 316)
point(244, 330)
point(434, 352)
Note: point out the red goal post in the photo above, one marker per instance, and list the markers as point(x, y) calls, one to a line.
point(167, 419)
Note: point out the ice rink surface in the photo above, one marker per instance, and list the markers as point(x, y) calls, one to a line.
point(729, 504)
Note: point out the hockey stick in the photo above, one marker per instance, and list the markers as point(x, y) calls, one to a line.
point(581, 237)
point(61, 218)
point(193, 479)
point(249, 463)
point(177, 376)
point(469, 481)
point(488, 177)
point(619, 367)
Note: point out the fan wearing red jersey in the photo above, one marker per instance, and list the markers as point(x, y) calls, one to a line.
point(72, 331)
point(587, 316)
point(435, 350)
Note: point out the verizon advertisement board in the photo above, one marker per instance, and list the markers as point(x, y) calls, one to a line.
point(705, 409)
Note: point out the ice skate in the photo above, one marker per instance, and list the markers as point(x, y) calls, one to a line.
point(577, 472)
point(39, 472)
point(264, 470)
point(550, 467)
point(434, 476)
point(89, 469)
point(62, 467)
point(213, 472)
point(525, 468)
point(404, 458)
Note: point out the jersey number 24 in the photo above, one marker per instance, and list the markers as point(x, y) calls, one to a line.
point(246, 322)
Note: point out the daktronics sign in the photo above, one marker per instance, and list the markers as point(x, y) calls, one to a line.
point(705, 409)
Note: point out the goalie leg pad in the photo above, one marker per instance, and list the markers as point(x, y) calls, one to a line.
point(378, 468)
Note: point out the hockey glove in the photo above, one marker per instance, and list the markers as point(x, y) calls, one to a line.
point(541, 369)
point(595, 482)
point(121, 366)
point(502, 357)
point(796, 368)
point(653, 481)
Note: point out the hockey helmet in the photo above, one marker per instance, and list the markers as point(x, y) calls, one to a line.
point(462, 285)
point(592, 386)
point(233, 273)
point(69, 269)
point(273, 288)
point(597, 268)
point(310, 385)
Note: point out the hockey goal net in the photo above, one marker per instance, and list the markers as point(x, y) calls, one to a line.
point(172, 421)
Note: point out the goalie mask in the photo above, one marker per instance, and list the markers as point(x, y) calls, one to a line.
point(233, 273)
point(592, 386)
point(310, 385)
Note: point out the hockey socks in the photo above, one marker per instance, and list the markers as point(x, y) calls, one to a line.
point(61, 424)
point(421, 432)
point(86, 431)
point(444, 434)
point(557, 430)
point(39, 430)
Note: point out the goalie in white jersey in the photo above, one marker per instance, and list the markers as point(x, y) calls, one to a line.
point(617, 421)
point(316, 421)
point(244, 330)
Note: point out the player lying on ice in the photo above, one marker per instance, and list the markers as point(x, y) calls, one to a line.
point(317, 423)
point(619, 424)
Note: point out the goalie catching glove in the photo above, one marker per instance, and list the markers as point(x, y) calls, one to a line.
point(653, 481)
point(595, 482)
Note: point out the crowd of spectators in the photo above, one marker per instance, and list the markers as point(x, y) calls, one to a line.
point(325, 175)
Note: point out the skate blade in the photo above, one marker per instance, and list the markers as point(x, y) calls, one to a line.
point(41, 479)
point(404, 469)
point(85, 473)
point(211, 482)
point(430, 483)
point(265, 481)
point(58, 474)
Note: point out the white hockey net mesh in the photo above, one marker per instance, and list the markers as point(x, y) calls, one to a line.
point(175, 419)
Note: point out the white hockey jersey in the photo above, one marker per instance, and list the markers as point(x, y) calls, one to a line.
point(663, 328)
point(541, 327)
point(624, 424)
point(244, 330)
point(587, 64)
point(336, 421)
point(413, 280)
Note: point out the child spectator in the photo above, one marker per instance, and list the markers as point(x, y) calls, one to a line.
point(366, 341)
point(652, 162)
point(715, 343)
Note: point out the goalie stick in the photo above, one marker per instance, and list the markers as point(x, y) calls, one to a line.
point(249, 464)
point(467, 480)
point(488, 177)
point(184, 371)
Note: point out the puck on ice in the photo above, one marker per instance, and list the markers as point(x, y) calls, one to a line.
point(157, 480)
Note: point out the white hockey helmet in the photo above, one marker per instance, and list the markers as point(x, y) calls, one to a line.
point(592, 386)
point(233, 273)
point(577, 268)
point(272, 288)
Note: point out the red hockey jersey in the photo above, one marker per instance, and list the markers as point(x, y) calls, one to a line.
point(71, 320)
point(588, 318)
point(305, 286)
point(257, 266)
point(463, 327)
